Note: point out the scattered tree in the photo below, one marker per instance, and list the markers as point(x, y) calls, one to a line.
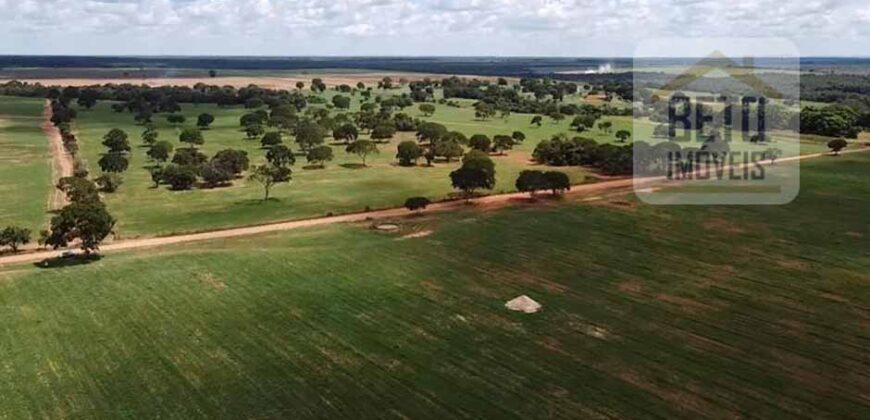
point(214, 175)
point(480, 142)
point(346, 132)
point(268, 176)
point(203, 121)
point(531, 181)
point(483, 110)
point(78, 190)
point(176, 119)
point(362, 148)
point(502, 143)
point(160, 151)
point(320, 155)
point(191, 136)
point(537, 120)
point(109, 182)
point(408, 153)
point(518, 137)
point(383, 131)
point(427, 109)
point(116, 141)
point(448, 149)
point(150, 135)
point(341, 102)
point(14, 237)
point(231, 161)
point(477, 172)
point(179, 177)
point(191, 158)
point(156, 173)
point(113, 162)
point(280, 155)
point(272, 138)
point(417, 203)
point(836, 145)
point(623, 135)
point(309, 134)
point(557, 182)
point(252, 131)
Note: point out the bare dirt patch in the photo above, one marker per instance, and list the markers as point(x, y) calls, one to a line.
point(722, 225)
point(632, 287)
point(212, 281)
point(386, 227)
point(418, 234)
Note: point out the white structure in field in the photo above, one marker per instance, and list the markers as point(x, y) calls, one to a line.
point(523, 304)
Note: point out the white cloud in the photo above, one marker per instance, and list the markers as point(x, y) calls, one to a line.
point(418, 27)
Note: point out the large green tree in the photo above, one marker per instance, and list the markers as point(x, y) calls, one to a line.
point(408, 153)
point(309, 134)
point(114, 162)
point(477, 172)
point(204, 120)
point(116, 141)
point(88, 222)
point(280, 155)
point(319, 155)
point(191, 136)
point(160, 151)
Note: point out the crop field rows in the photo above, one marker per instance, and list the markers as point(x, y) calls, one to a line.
point(649, 312)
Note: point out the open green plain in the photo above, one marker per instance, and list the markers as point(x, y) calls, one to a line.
point(25, 163)
point(341, 187)
point(649, 312)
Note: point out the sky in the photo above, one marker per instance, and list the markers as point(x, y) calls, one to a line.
point(569, 28)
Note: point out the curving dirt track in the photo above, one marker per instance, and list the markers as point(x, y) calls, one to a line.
point(61, 161)
point(618, 186)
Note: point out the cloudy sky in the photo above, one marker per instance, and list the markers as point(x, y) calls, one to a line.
point(418, 27)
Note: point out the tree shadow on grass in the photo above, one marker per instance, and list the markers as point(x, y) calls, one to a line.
point(353, 166)
point(61, 262)
point(258, 201)
point(313, 167)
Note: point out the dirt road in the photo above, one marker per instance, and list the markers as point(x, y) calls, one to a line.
point(588, 190)
point(61, 161)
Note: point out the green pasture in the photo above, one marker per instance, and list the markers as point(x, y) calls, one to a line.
point(25, 164)
point(341, 187)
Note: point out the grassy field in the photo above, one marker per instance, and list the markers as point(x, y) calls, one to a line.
point(341, 187)
point(649, 312)
point(25, 164)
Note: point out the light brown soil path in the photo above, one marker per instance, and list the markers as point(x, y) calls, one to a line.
point(623, 185)
point(61, 161)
